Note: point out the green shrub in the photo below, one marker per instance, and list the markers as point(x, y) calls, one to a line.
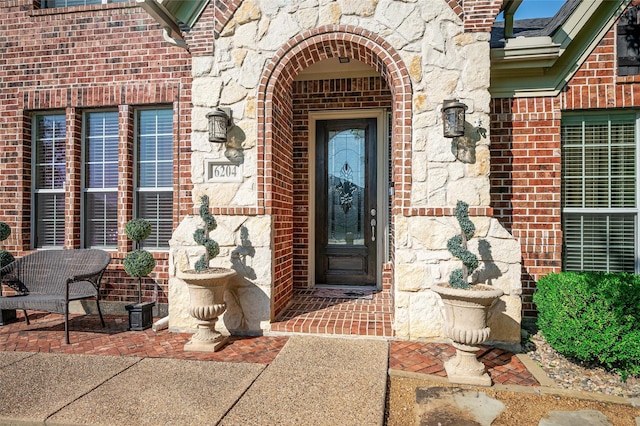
point(138, 229)
point(592, 316)
point(457, 245)
point(139, 263)
point(5, 258)
point(5, 231)
point(201, 236)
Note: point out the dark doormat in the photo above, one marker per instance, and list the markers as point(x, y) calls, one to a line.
point(336, 293)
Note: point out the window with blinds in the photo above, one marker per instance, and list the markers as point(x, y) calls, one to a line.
point(101, 179)
point(46, 4)
point(599, 192)
point(154, 174)
point(49, 173)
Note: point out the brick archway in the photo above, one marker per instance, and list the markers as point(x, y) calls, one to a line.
point(275, 130)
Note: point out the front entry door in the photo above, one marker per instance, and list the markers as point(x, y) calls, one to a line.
point(346, 216)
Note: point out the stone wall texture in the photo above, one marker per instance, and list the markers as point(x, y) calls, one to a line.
point(245, 56)
point(424, 53)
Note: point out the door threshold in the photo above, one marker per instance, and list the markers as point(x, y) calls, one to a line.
point(345, 287)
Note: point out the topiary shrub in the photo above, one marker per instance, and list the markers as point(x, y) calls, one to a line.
point(138, 263)
point(138, 229)
point(5, 257)
point(457, 245)
point(201, 236)
point(592, 316)
point(5, 231)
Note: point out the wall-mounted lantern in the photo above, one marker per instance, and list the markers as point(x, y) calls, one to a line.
point(453, 118)
point(219, 123)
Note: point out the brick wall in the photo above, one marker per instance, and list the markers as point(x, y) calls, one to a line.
point(526, 163)
point(355, 93)
point(70, 60)
point(478, 15)
point(275, 121)
point(280, 197)
point(525, 183)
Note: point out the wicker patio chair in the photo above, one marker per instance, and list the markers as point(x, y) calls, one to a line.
point(48, 280)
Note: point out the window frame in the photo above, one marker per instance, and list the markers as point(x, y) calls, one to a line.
point(137, 189)
point(83, 180)
point(34, 185)
point(604, 212)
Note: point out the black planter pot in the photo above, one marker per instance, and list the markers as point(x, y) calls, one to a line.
point(140, 316)
point(7, 316)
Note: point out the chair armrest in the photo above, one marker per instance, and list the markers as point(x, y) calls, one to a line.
point(85, 277)
point(9, 276)
point(93, 277)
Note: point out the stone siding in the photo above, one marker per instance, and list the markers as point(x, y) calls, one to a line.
point(425, 56)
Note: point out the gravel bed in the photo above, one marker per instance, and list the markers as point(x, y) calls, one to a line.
point(577, 375)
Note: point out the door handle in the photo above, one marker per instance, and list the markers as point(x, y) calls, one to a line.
point(373, 229)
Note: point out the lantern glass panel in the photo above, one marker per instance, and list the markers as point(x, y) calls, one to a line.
point(217, 127)
point(453, 118)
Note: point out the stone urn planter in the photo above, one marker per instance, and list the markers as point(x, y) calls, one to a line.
point(206, 304)
point(206, 285)
point(466, 324)
point(466, 306)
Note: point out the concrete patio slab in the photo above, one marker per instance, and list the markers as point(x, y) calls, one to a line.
point(8, 358)
point(318, 381)
point(163, 391)
point(39, 385)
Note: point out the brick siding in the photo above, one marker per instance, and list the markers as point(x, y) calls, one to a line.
point(526, 163)
point(317, 95)
point(70, 60)
point(275, 128)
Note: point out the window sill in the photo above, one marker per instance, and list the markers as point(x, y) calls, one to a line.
point(158, 254)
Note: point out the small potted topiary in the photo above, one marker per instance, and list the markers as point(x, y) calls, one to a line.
point(207, 285)
point(466, 306)
point(139, 264)
point(6, 315)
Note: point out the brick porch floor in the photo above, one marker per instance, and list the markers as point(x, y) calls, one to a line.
point(363, 316)
point(46, 334)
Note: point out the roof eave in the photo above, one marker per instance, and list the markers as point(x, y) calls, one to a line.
point(531, 52)
point(551, 61)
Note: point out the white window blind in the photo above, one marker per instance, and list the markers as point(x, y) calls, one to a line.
point(101, 179)
point(70, 3)
point(154, 174)
point(49, 172)
point(599, 192)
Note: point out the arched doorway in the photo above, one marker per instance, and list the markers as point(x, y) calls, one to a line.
point(277, 135)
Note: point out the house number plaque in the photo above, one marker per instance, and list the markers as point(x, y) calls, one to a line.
point(224, 172)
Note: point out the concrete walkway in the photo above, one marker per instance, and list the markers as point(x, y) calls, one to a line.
point(313, 381)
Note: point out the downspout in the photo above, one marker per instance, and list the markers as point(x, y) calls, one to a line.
point(166, 34)
point(171, 30)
